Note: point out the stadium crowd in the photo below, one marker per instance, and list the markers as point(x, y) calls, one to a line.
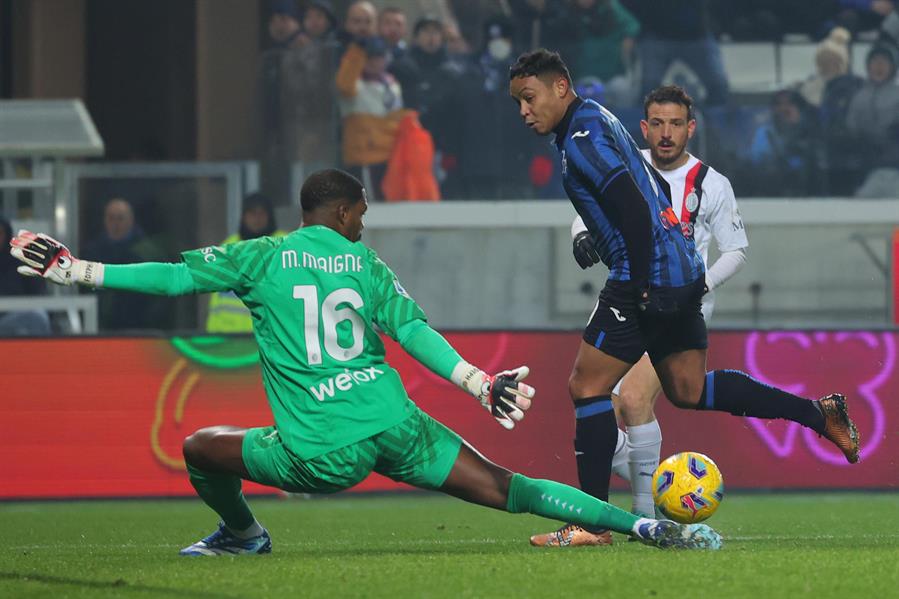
point(387, 90)
point(413, 97)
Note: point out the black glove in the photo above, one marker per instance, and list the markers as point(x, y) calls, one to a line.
point(585, 250)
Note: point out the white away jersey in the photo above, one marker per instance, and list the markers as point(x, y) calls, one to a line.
point(718, 215)
point(712, 212)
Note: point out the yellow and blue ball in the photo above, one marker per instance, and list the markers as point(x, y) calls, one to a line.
point(687, 487)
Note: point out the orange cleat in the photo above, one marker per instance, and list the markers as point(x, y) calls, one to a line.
point(838, 428)
point(572, 535)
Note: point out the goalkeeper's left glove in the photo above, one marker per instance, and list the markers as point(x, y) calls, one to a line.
point(45, 257)
point(502, 394)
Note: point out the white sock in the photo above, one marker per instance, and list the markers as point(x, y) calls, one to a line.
point(644, 444)
point(619, 460)
point(254, 530)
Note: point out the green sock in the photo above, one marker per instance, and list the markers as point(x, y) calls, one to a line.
point(222, 493)
point(554, 500)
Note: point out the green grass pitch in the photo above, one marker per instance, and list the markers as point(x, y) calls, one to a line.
point(803, 545)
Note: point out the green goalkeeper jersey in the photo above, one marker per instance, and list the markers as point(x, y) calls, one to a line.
point(315, 298)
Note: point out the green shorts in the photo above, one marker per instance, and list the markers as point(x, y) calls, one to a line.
point(418, 451)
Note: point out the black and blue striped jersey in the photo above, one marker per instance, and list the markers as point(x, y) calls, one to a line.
point(602, 170)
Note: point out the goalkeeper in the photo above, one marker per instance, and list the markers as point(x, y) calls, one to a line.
point(340, 410)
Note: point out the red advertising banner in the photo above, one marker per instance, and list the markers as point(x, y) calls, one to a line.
point(105, 417)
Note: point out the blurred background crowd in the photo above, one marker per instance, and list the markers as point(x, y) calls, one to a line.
point(794, 99)
point(337, 80)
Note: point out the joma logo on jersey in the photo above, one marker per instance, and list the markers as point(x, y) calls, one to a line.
point(345, 381)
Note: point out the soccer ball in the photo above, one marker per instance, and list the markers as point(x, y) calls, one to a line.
point(687, 487)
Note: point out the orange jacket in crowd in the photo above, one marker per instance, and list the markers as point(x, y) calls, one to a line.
point(367, 137)
point(396, 137)
point(410, 172)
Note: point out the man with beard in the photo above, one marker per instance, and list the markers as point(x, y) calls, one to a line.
point(704, 201)
point(652, 300)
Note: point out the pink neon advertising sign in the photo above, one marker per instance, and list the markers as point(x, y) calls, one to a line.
point(120, 434)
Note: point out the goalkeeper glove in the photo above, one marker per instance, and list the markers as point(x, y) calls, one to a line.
point(585, 250)
point(45, 257)
point(502, 394)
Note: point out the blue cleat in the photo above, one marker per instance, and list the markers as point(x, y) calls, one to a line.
point(223, 542)
point(666, 534)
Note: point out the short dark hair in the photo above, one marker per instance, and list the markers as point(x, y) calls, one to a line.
point(425, 22)
point(669, 94)
point(539, 63)
point(327, 186)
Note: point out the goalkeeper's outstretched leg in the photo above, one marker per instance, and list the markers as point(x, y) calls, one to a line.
point(476, 479)
point(214, 459)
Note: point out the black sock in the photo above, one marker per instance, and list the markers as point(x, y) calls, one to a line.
point(741, 395)
point(596, 435)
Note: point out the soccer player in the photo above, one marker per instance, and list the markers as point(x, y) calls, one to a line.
point(703, 199)
point(652, 299)
point(340, 410)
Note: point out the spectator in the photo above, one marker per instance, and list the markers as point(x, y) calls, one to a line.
point(464, 23)
point(845, 163)
point(360, 24)
point(784, 150)
point(680, 30)
point(370, 103)
point(123, 242)
point(319, 22)
point(308, 100)
point(873, 113)
point(274, 105)
point(227, 314)
point(392, 29)
point(873, 117)
point(457, 46)
point(600, 40)
point(539, 23)
point(496, 166)
point(831, 61)
point(20, 322)
point(430, 81)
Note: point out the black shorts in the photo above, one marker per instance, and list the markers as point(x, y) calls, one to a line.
point(617, 327)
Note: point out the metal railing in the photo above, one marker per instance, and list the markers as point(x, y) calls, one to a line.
point(80, 310)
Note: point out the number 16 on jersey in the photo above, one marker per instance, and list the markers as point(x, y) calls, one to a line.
point(327, 317)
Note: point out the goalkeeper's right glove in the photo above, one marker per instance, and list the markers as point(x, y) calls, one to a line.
point(45, 257)
point(501, 394)
point(585, 250)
